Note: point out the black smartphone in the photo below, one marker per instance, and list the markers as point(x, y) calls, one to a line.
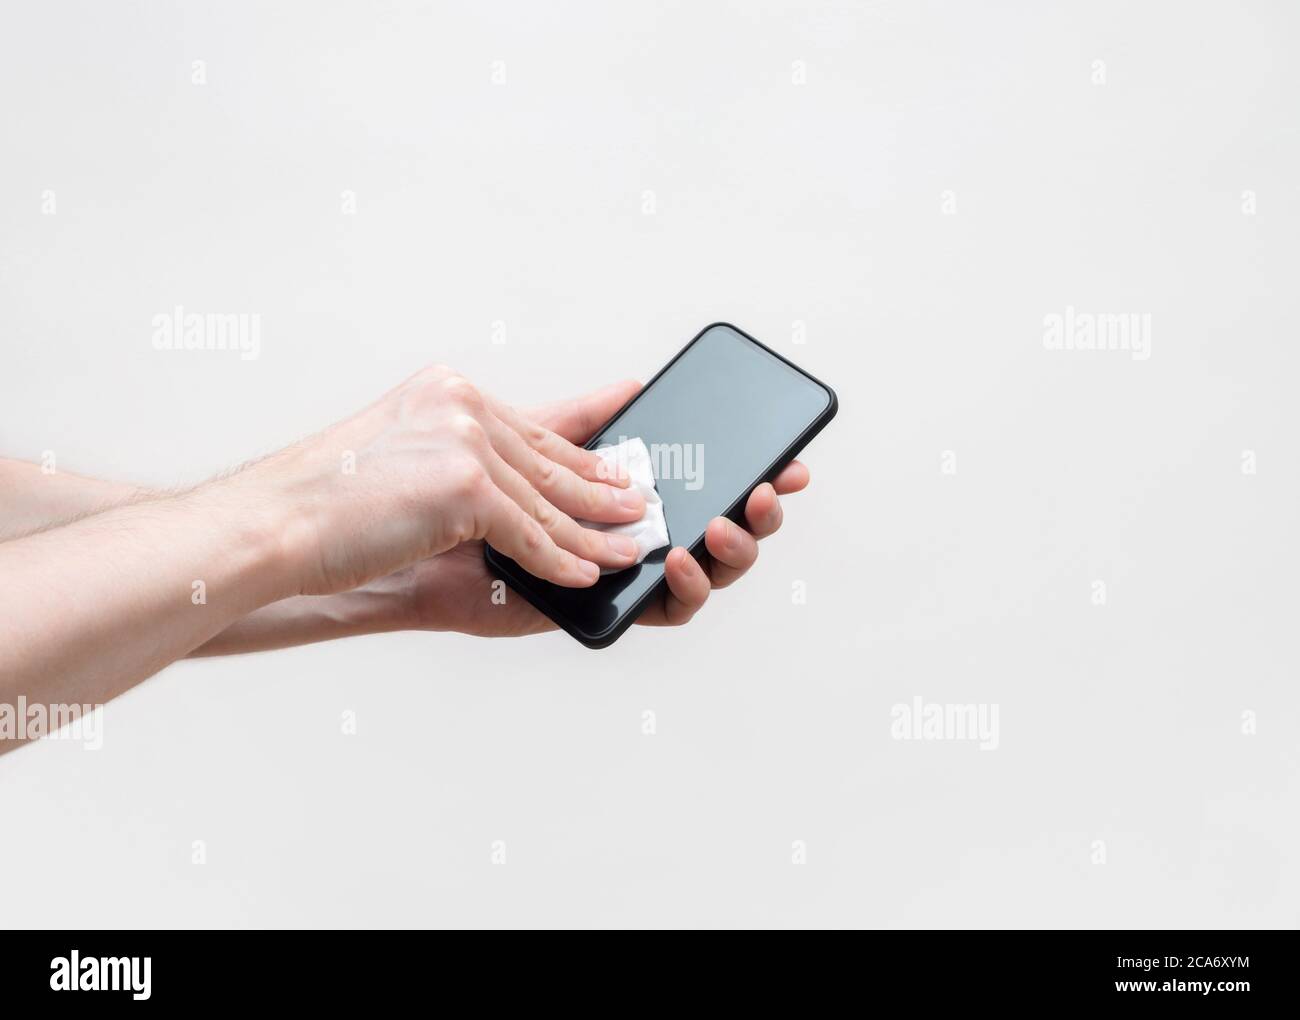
point(725, 415)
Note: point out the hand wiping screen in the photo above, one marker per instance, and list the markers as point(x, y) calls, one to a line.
point(650, 532)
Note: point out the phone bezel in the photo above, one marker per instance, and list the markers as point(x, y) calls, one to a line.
point(520, 579)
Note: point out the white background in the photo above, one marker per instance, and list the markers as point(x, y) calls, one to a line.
point(774, 202)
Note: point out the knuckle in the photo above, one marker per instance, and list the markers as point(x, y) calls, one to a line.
point(534, 540)
point(534, 434)
point(469, 430)
point(469, 479)
point(547, 471)
point(545, 514)
point(459, 390)
point(595, 498)
point(433, 373)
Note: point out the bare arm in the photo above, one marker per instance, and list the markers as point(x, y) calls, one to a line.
point(33, 500)
point(93, 607)
point(449, 591)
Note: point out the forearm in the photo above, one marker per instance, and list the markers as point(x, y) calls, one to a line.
point(89, 609)
point(32, 500)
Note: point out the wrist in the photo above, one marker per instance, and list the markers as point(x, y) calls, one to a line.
point(260, 532)
point(306, 619)
point(385, 604)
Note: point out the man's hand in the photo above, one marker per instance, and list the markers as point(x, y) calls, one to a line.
point(432, 465)
point(452, 591)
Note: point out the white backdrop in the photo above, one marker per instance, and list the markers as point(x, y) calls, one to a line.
point(1075, 537)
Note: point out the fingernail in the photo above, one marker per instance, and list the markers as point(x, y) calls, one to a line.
point(733, 538)
point(622, 546)
point(629, 499)
point(588, 570)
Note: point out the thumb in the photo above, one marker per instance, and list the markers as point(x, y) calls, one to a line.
point(577, 420)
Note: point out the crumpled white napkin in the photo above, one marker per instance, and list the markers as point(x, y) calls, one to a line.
point(650, 532)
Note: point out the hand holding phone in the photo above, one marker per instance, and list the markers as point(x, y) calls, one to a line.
point(725, 415)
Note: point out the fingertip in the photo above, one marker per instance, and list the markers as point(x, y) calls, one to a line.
point(696, 570)
point(761, 501)
point(629, 503)
point(682, 563)
point(763, 512)
point(686, 578)
point(794, 478)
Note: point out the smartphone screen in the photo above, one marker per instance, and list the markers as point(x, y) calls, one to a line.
point(722, 416)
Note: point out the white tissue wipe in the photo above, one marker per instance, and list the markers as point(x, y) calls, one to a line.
point(650, 532)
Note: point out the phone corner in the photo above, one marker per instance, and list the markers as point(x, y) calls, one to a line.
point(597, 642)
point(832, 401)
point(721, 324)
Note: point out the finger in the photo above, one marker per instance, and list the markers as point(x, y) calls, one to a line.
point(578, 497)
point(732, 548)
point(793, 478)
point(583, 463)
point(763, 514)
point(688, 589)
point(604, 548)
point(525, 541)
point(577, 420)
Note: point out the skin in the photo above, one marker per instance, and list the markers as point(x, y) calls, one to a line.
point(99, 590)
